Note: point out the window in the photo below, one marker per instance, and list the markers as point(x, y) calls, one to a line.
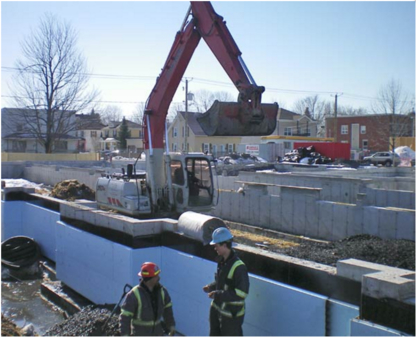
point(177, 172)
point(306, 131)
point(81, 133)
point(183, 131)
point(222, 149)
point(288, 132)
point(363, 129)
point(175, 132)
point(287, 145)
point(174, 147)
point(214, 150)
point(93, 133)
point(61, 145)
point(205, 147)
point(344, 129)
point(365, 144)
point(114, 133)
point(230, 148)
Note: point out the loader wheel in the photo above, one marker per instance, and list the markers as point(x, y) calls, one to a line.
point(387, 163)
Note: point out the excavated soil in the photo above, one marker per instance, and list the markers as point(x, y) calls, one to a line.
point(88, 322)
point(394, 253)
point(71, 190)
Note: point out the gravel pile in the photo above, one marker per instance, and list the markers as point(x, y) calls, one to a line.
point(394, 253)
point(88, 322)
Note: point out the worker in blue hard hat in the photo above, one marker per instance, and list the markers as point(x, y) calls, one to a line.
point(229, 290)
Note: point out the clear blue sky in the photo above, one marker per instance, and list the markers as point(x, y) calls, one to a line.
point(294, 49)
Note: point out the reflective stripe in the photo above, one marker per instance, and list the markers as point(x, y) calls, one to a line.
point(139, 302)
point(228, 313)
point(145, 323)
point(235, 265)
point(127, 313)
point(241, 293)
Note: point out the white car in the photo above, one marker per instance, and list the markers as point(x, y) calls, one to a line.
point(383, 158)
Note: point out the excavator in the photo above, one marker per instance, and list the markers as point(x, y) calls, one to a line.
point(174, 183)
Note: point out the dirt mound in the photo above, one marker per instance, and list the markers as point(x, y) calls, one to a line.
point(393, 253)
point(8, 328)
point(88, 322)
point(71, 190)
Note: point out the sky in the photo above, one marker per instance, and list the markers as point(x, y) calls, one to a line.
point(294, 49)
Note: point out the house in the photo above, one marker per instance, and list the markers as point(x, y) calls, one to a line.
point(196, 140)
point(89, 128)
point(110, 133)
point(20, 131)
point(370, 133)
point(291, 128)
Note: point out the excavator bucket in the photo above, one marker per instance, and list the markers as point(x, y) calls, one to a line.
point(237, 119)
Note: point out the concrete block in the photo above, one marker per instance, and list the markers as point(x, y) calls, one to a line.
point(371, 220)
point(393, 198)
point(288, 209)
point(354, 269)
point(325, 220)
point(380, 198)
point(264, 219)
point(388, 285)
point(312, 217)
point(299, 215)
point(276, 213)
point(405, 200)
point(235, 210)
point(388, 224)
point(355, 220)
point(406, 225)
point(340, 221)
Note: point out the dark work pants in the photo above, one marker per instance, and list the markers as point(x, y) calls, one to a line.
point(224, 326)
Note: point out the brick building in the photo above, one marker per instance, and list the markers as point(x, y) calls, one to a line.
point(370, 132)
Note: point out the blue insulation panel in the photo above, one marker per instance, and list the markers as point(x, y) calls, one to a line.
point(98, 269)
point(364, 328)
point(340, 315)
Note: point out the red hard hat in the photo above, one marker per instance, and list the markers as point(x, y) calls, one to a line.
point(149, 269)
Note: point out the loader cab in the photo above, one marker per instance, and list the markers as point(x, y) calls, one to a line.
point(192, 182)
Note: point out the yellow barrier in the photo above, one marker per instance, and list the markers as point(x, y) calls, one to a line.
point(12, 156)
point(403, 141)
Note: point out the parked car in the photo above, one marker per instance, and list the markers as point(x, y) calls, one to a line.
point(383, 158)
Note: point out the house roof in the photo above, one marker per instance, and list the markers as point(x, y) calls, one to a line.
point(130, 124)
point(24, 135)
point(193, 123)
point(89, 122)
point(286, 114)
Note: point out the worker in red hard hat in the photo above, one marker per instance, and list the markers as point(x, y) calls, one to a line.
point(229, 290)
point(145, 306)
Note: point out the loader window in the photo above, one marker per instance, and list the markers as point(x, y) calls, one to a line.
point(199, 181)
point(177, 172)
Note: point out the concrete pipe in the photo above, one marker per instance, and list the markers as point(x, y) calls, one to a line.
point(199, 226)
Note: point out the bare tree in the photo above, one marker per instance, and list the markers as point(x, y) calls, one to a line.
point(51, 84)
point(111, 113)
point(318, 110)
point(203, 99)
point(393, 106)
point(138, 113)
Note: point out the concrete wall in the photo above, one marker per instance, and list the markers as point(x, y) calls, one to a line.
point(300, 211)
point(386, 192)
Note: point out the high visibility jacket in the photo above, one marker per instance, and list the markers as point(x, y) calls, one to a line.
point(232, 286)
point(139, 313)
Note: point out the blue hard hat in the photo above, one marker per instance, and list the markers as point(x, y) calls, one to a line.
point(221, 234)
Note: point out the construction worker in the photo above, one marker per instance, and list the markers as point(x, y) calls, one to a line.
point(229, 290)
point(145, 305)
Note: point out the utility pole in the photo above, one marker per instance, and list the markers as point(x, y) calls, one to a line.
point(336, 118)
point(186, 115)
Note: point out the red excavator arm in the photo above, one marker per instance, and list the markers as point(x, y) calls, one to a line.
point(247, 117)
